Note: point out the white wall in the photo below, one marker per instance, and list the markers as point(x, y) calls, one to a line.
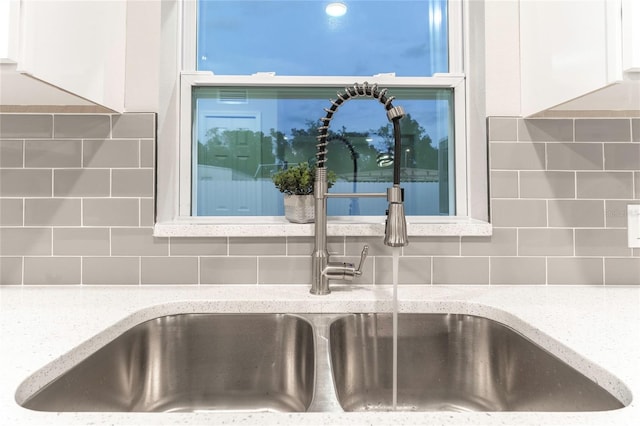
point(502, 56)
point(142, 56)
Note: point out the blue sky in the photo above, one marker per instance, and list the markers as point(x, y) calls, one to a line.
point(297, 37)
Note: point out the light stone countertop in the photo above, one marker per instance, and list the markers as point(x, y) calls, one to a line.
point(595, 329)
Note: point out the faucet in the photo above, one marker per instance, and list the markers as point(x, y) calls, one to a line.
point(323, 269)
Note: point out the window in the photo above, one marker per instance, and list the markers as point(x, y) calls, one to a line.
point(260, 73)
point(242, 135)
point(191, 95)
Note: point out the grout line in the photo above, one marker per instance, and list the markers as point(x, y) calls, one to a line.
point(546, 270)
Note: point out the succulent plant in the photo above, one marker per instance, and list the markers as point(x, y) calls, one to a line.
point(299, 179)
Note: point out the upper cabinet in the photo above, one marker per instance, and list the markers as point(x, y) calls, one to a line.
point(631, 35)
point(105, 52)
point(571, 48)
point(9, 10)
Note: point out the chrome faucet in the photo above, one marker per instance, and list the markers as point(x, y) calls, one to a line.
point(323, 269)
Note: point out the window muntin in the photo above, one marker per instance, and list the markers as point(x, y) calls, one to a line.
point(241, 135)
point(293, 37)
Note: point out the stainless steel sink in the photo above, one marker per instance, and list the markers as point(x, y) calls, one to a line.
point(453, 362)
point(193, 362)
point(316, 363)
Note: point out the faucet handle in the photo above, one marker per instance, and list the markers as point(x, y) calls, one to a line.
point(344, 270)
point(363, 257)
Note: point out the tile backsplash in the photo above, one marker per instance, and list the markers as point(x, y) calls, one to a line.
point(76, 207)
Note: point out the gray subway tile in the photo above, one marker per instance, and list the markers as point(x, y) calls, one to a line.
point(545, 242)
point(504, 184)
point(354, 245)
point(25, 241)
point(576, 213)
point(133, 125)
point(254, 246)
point(503, 129)
point(284, 270)
point(575, 270)
point(429, 246)
point(461, 270)
point(636, 184)
point(11, 212)
point(603, 130)
point(545, 130)
point(518, 270)
point(53, 153)
point(517, 213)
point(81, 183)
point(169, 270)
point(111, 153)
point(622, 271)
point(412, 270)
point(545, 184)
point(10, 270)
point(204, 246)
point(25, 183)
point(604, 185)
point(517, 156)
point(616, 213)
point(11, 153)
point(622, 156)
point(52, 211)
point(602, 242)
point(574, 156)
point(228, 270)
point(304, 246)
point(635, 130)
point(132, 183)
point(26, 126)
point(137, 242)
point(147, 212)
point(52, 270)
point(110, 212)
point(81, 241)
point(503, 242)
point(82, 126)
point(147, 153)
point(110, 270)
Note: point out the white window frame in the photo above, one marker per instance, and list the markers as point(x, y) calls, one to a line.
point(178, 221)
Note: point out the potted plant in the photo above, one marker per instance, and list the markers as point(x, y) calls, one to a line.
point(296, 183)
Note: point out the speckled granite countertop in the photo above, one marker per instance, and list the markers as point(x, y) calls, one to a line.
point(595, 329)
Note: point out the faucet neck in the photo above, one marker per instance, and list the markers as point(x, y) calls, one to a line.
point(357, 90)
point(396, 229)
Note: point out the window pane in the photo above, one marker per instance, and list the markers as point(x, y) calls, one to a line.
point(242, 135)
point(288, 37)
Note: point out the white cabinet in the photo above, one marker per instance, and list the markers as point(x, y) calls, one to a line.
point(9, 10)
point(105, 52)
point(78, 46)
point(631, 35)
point(571, 48)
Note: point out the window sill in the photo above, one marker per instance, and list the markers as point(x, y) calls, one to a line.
point(345, 226)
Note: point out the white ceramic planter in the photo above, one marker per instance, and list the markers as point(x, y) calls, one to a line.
point(299, 208)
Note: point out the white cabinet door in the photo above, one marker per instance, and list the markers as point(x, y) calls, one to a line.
point(9, 14)
point(78, 46)
point(566, 50)
point(631, 35)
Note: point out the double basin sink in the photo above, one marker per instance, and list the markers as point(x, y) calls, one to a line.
point(320, 362)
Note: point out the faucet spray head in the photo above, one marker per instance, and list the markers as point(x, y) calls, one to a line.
point(395, 232)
